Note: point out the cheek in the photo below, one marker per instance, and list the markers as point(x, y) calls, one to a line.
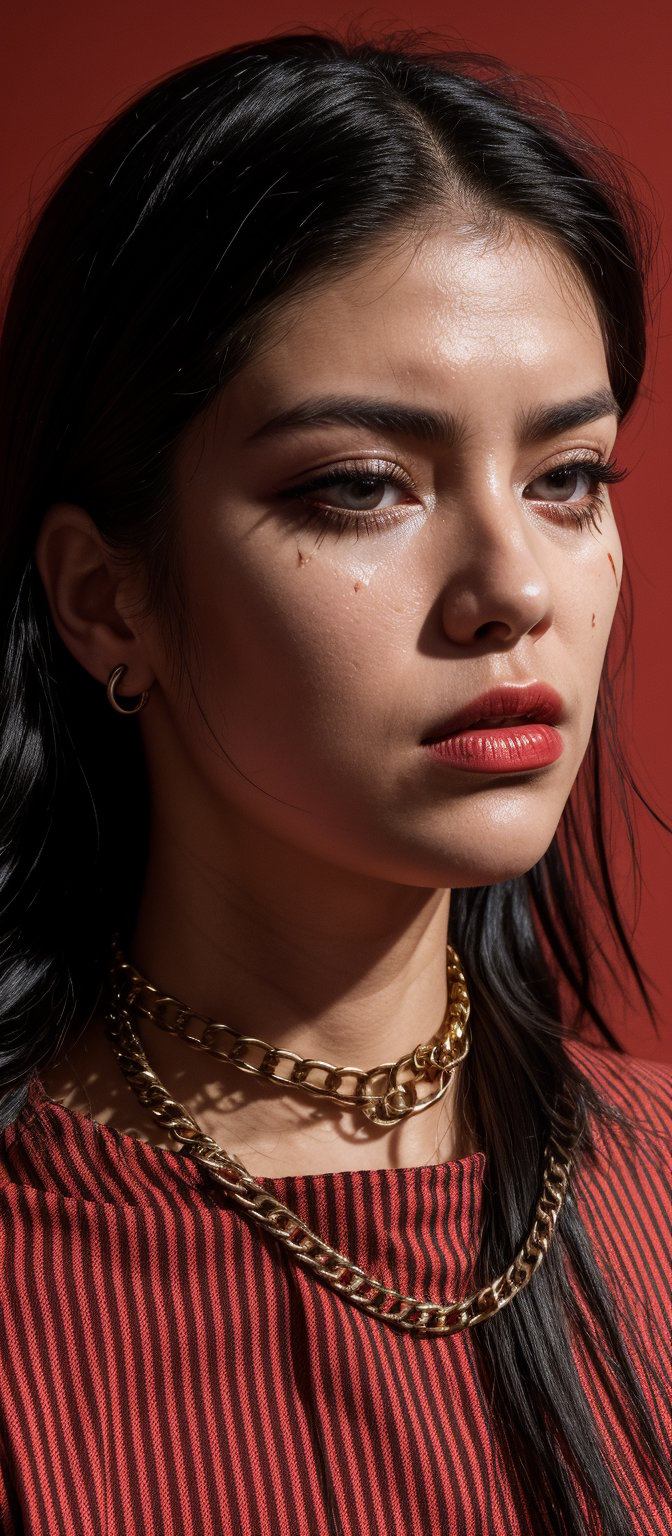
point(294, 642)
point(614, 572)
point(595, 603)
point(612, 550)
point(588, 595)
point(611, 571)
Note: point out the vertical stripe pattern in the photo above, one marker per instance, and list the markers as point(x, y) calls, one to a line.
point(166, 1367)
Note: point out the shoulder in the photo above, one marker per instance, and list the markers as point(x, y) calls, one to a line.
point(641, 1090)
point(620, 1187)
point(623, 1186)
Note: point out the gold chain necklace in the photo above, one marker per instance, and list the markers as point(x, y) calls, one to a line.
point(385, 1094)
point(411, 1313)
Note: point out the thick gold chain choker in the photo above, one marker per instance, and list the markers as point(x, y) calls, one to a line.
point(385, 1094)
point(413, 1314)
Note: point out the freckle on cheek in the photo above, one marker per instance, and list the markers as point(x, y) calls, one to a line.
point(357, 586)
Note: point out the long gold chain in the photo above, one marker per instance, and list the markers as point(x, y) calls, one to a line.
point(385, 1094)
point(411, 1313)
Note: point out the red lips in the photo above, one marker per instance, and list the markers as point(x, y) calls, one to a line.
point(534, 702)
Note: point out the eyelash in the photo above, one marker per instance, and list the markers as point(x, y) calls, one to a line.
point(599, 471)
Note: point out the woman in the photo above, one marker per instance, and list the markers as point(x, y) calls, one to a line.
point(313, 370)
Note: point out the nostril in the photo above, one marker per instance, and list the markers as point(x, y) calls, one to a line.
point(494, 629)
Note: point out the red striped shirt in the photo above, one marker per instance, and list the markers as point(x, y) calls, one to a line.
point(166, 1367)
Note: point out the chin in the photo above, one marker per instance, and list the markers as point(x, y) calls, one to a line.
point(487, 875)
point(495, 841)
point(490, 860)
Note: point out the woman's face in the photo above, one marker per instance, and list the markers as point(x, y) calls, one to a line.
point(337, 628)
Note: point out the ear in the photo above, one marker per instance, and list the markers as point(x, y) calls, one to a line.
point(89, 597)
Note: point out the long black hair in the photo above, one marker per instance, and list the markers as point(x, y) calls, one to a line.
point(146, 282)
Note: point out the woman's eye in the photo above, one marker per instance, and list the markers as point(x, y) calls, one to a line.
point(569, 482)
point(361, 493)
point(353, 499)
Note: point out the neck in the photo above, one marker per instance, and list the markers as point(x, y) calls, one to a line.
point(333, 967)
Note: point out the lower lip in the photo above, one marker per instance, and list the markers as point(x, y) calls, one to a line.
point(500, 749)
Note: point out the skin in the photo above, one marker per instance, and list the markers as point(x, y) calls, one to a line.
point(303, 844)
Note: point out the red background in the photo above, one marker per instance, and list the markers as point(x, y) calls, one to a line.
point(68, 67)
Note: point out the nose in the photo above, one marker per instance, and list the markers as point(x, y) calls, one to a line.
point(499, 587)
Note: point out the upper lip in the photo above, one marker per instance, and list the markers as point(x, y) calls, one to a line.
point(514, 701)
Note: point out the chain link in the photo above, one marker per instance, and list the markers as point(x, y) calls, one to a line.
point(410, 1313)
point(384, 1094)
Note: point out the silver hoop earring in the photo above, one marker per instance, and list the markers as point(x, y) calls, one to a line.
point(112, 681)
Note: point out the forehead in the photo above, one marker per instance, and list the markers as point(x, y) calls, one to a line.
point(451, 310)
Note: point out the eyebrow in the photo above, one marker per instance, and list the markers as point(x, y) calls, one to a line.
point(438, 427)
point(551, 420)
point(350, 411)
